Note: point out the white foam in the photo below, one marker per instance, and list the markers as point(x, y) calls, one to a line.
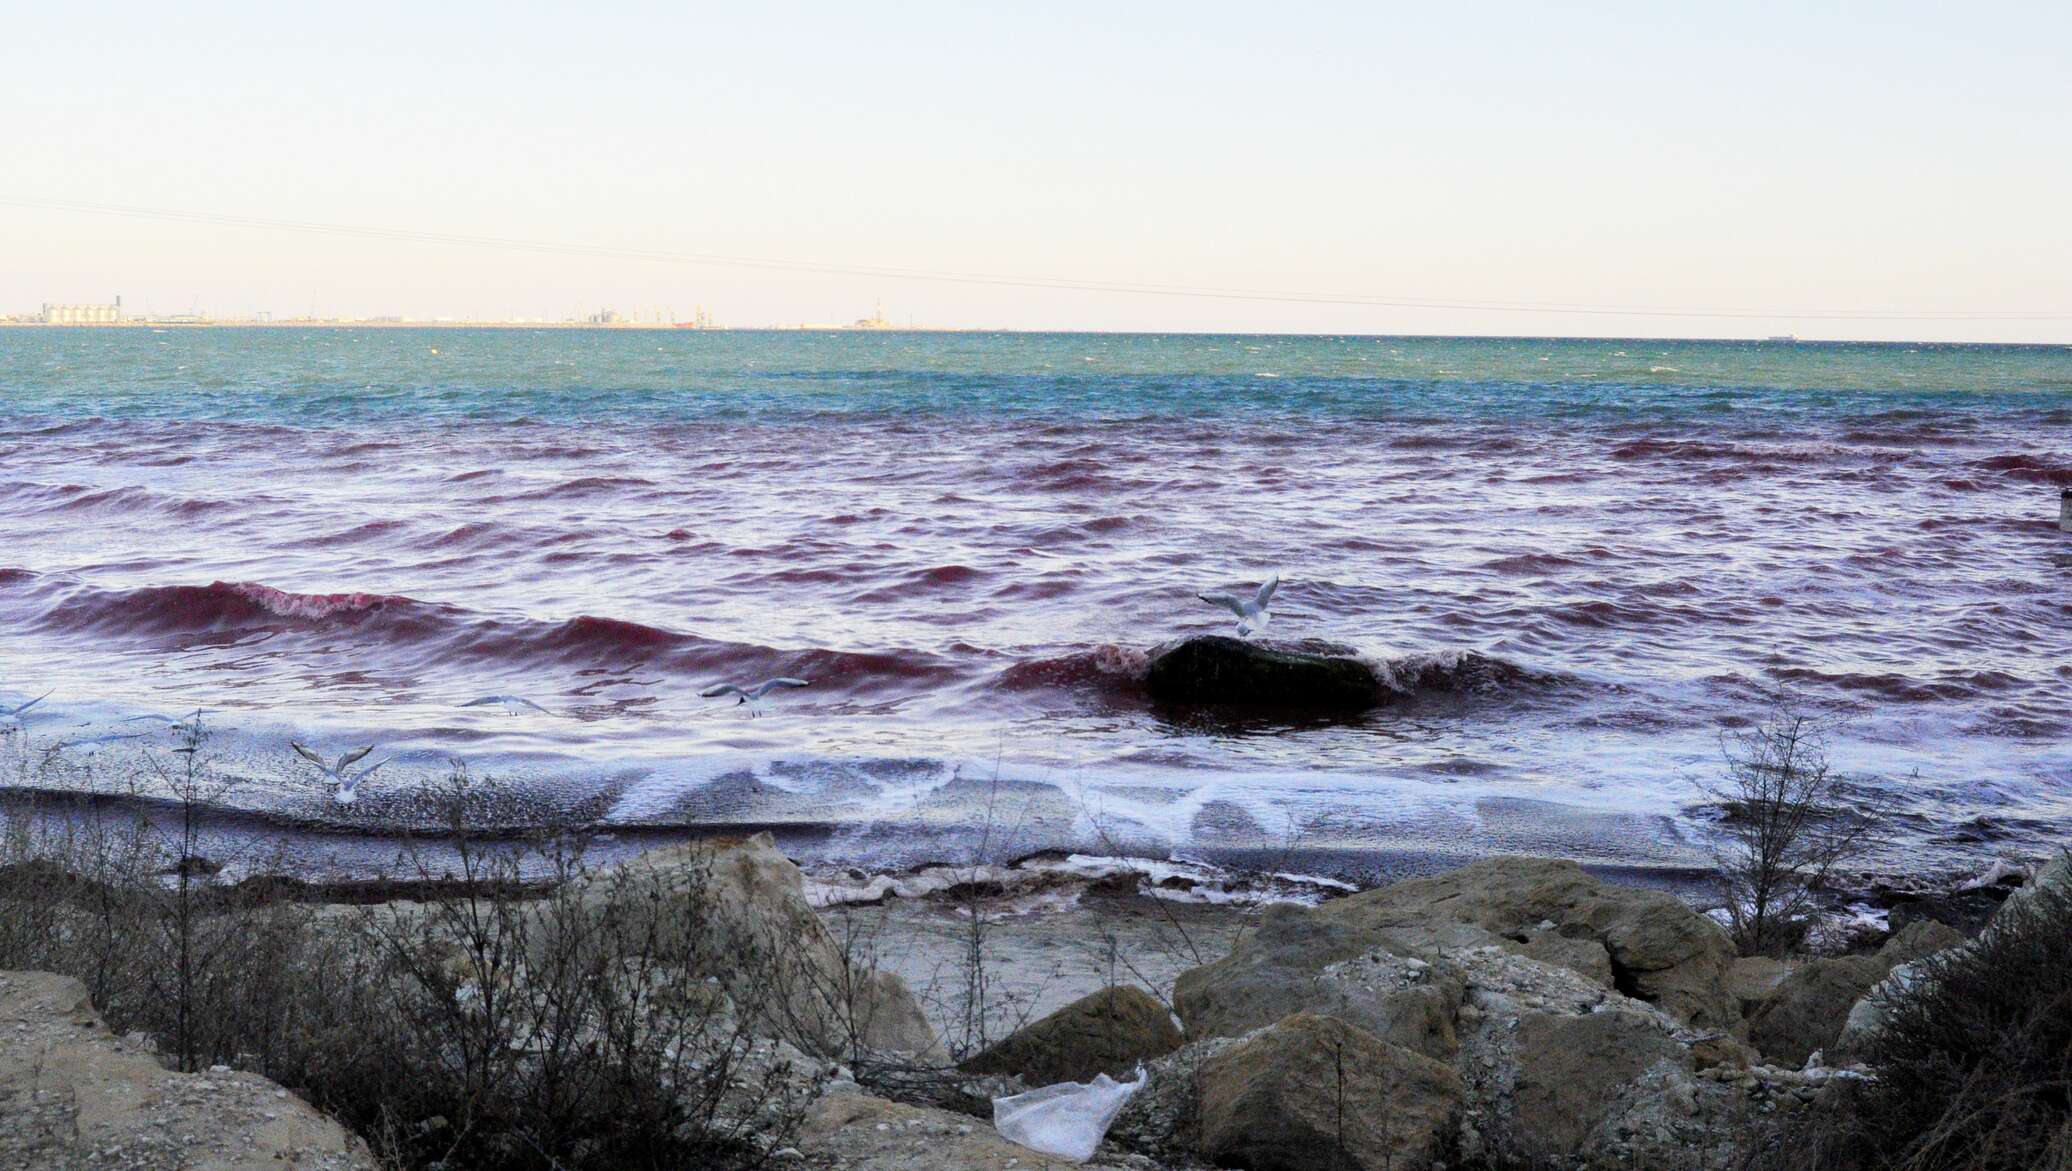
point(1997, 873)
point(1050, 883)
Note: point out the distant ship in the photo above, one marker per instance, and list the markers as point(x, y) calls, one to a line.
point(1781, 337)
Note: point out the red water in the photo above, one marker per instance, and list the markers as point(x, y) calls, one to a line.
point(1570, 607)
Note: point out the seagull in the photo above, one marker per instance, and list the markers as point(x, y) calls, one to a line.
point(753, 696)
point(15, 712)
point(96, 741)
point(347, 781)
point(186, 723)
point(1252, 614)
point(11, 717)
point(511, 703)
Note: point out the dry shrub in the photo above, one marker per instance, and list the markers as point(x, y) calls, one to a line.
point(1973, 1062)
point(498, 1027)
point(1786, 825)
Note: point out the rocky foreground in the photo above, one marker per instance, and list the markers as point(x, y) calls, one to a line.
point(1515, 1012)
point(73, 1095)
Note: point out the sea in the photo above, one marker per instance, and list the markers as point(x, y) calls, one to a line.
point(1580, 566)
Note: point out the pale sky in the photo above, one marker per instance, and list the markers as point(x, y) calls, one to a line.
point(1895, 158)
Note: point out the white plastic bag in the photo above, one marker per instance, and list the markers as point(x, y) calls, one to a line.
point(1067, 1119)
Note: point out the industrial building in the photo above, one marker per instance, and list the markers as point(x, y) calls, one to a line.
point(83, 314)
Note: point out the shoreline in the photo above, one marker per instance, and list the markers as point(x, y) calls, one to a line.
point(1053, 897)
point(886, 1022)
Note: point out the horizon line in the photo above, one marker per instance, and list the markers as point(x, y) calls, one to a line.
point(489, 324)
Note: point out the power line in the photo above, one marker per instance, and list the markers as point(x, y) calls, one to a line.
point(1203, 292)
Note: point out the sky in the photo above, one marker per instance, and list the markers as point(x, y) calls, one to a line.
point(1784, 162)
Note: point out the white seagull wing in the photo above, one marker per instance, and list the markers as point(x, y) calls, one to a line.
point(1266, 591)
point(310, 756)
point(354, 756)
point(769, 685)
point(109, 738)
point(719, 689)
point(1224, 600)
point(16, 711)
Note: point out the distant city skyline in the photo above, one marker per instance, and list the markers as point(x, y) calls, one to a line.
point(115, 313)
point(1741, 173)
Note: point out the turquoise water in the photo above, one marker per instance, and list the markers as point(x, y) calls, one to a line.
point(292, 376)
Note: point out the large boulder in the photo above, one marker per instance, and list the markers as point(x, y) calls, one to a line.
point(1754, 979)
point(1919, 940)
point(72, 1095)
point(2053, 875)
point(1571, 1067)
point(1111, 1031)
point(1581, 955)
point(1561, 1071)
point(1554, 1068)
point(1809, 1009)
point(1295, 961)
point(1866, 1018)
point(1314, 1092)
point(1216, 669)
point(1906, 957)
point(735, 911)
point(1660, 950)
point(1657, 950)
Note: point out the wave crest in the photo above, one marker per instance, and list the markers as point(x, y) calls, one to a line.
point(1453, 672)
point(218, 604)
point(1105, 668)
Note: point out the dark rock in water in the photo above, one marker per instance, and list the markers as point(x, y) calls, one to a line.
point(1216, 669)
point(1967, 910)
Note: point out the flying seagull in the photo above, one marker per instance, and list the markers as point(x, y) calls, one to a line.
point(97, 741)
point(1252, 614)
point(511, 703)
point(11, 717)
point(184, 723)
point(347, 781)
point(753, 696)
point(16, 711)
